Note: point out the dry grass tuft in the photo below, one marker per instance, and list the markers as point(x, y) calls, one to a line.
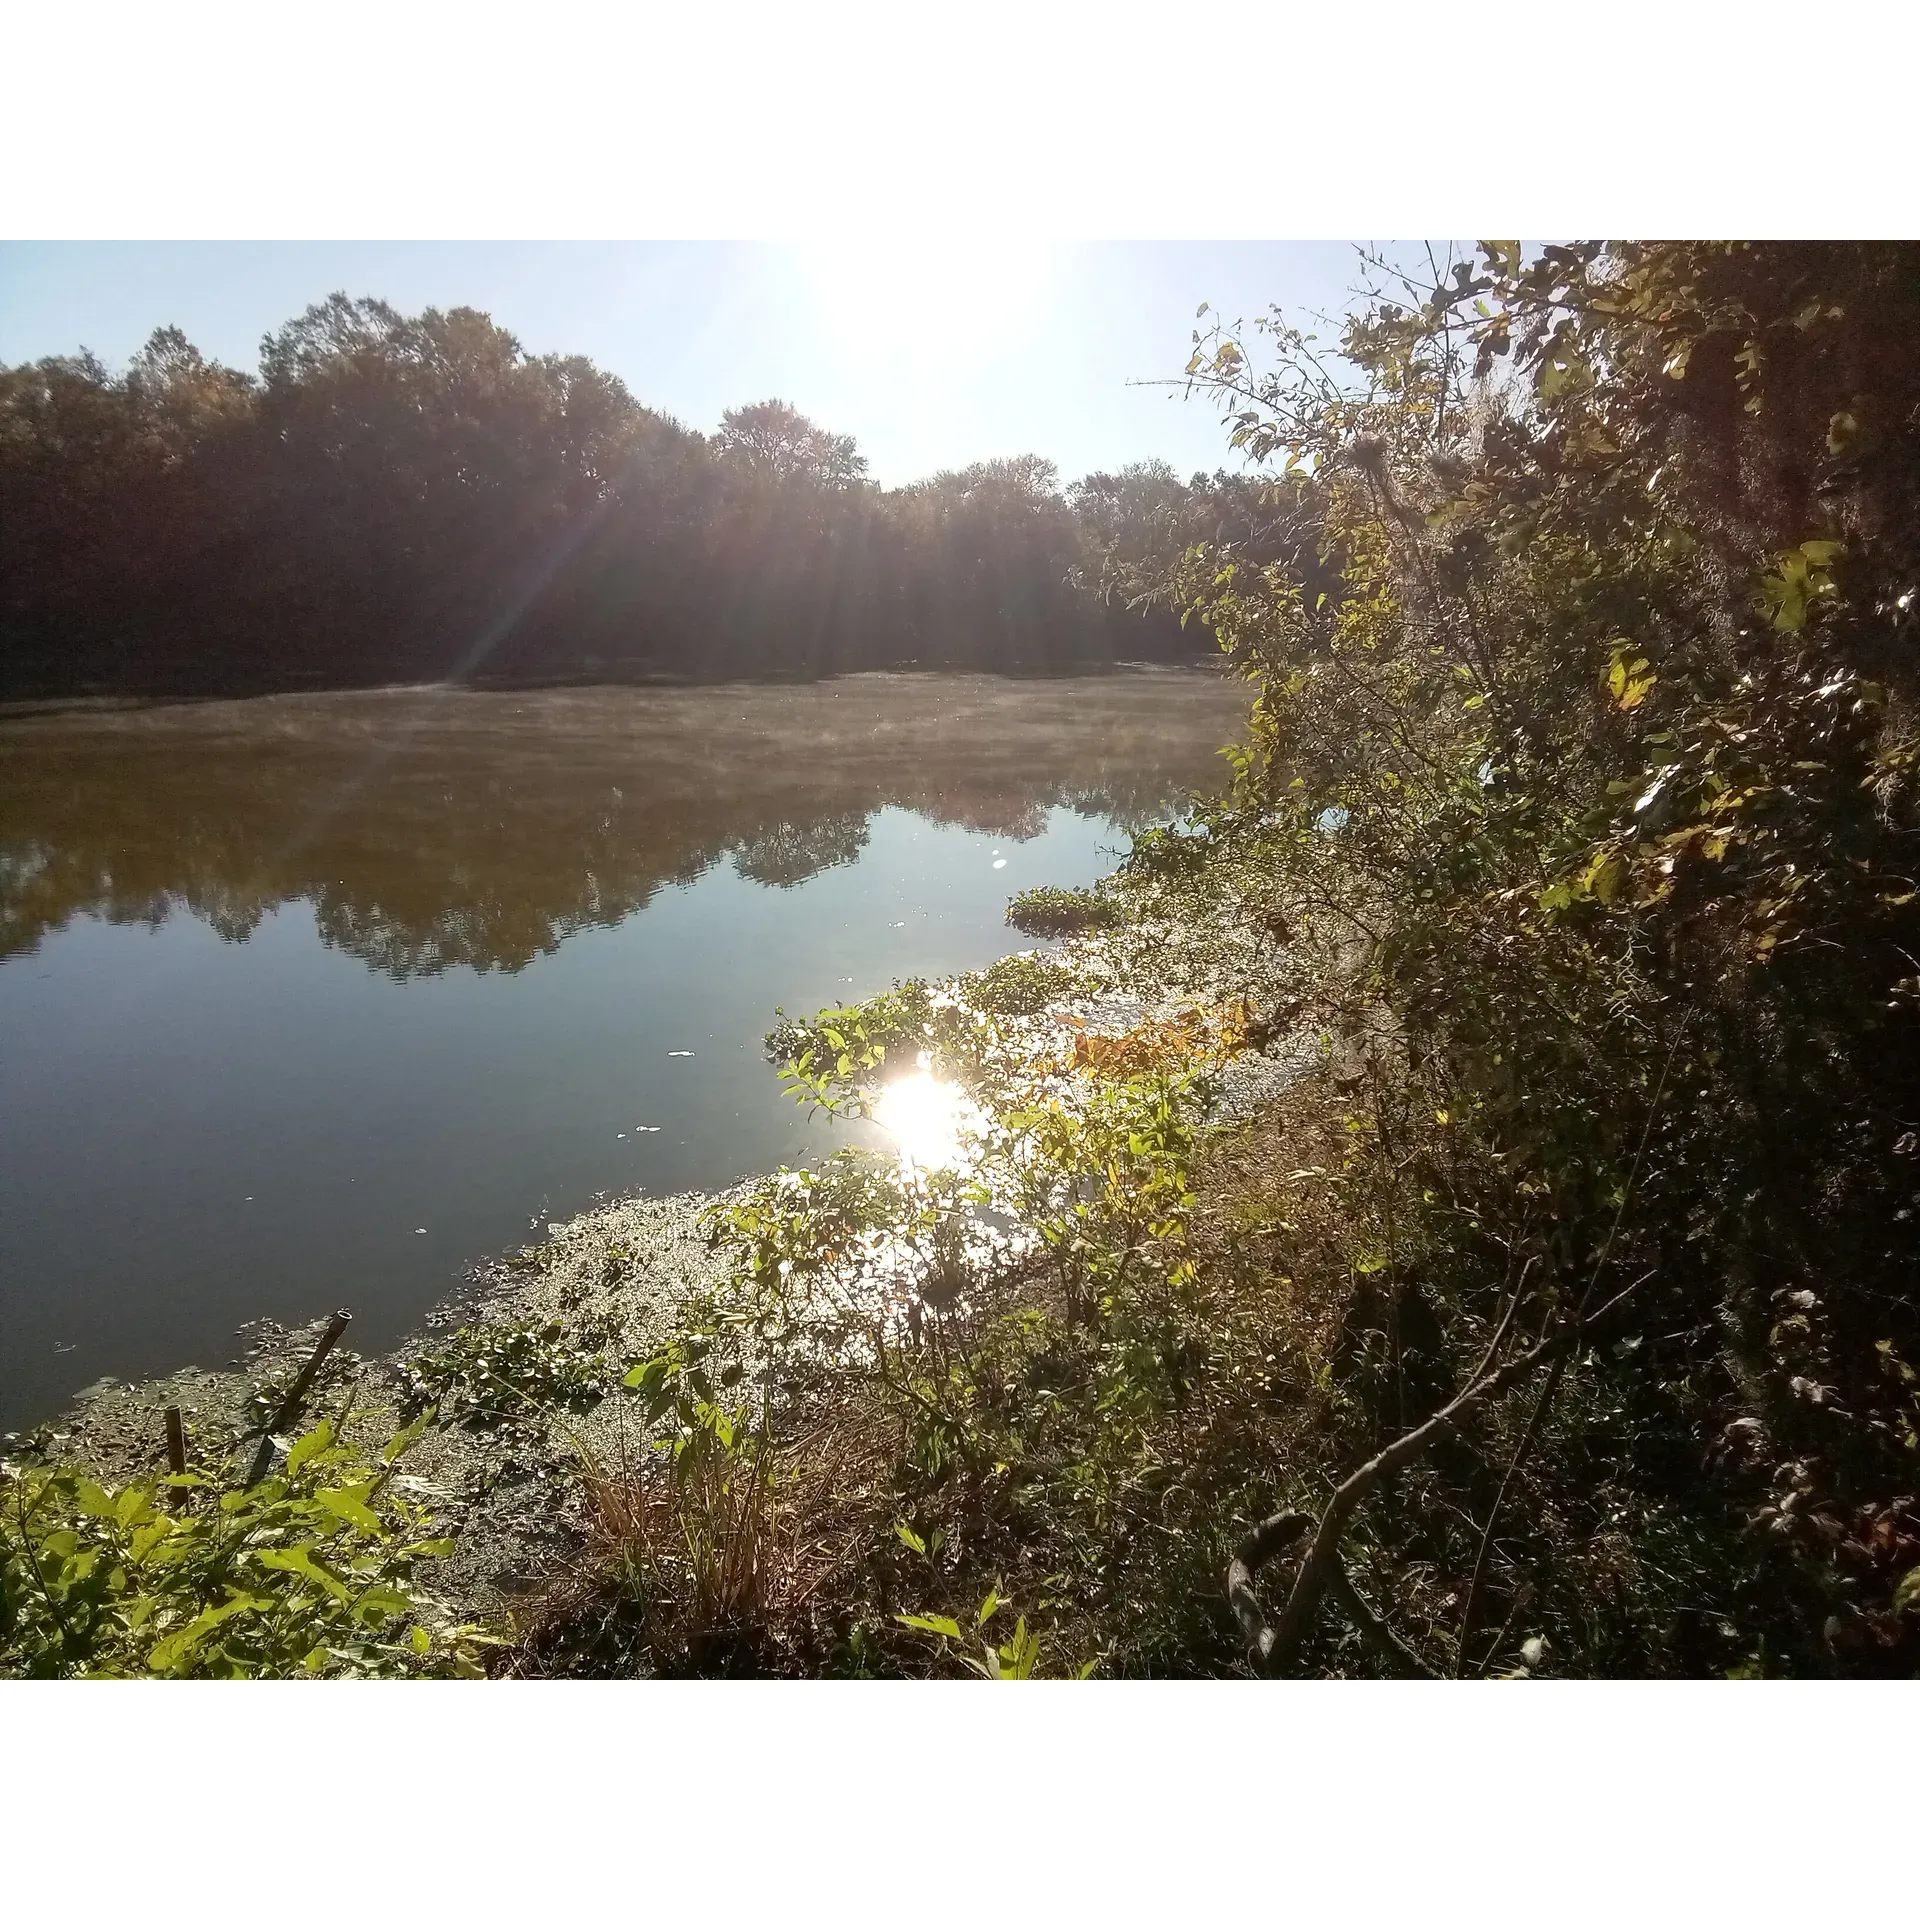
point(723, 1563)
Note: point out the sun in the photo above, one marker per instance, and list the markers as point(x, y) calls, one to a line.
point(922, 299)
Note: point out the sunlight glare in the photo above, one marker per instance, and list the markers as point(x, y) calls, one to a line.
point(927, 299)
point(926, 1118)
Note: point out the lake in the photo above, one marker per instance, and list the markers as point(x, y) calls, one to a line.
point(315, 1000)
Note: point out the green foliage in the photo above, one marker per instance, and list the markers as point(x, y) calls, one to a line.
point(1022, 983)
point(1051, 911)
point(842, 1045)
point(836, 1061)
point(691, 1414)
point(1588, 780)
point(1018, 1659)
point(924, 1288)
point(308, 1572)
point(499, 1372)
point(1578, 807)
point(682, 1547)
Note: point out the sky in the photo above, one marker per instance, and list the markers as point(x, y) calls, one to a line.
point(932, 354)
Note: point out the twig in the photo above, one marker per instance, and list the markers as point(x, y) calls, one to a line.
point(290, 1406)
point(1275, 1647)
point(1400, 1657)
point(1493, 1513)
point(1553, 1379)
point(1506, 1627)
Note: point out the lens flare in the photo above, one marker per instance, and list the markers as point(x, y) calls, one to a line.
point(927, 1117)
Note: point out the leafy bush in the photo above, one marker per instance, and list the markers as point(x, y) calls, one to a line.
point(305, 1573)
point(1022, 983)
point(1601, 657)
point(506, 1371)
point(1048, 912)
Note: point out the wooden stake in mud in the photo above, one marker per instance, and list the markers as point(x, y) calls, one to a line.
point(176, 1455)
point(290, 1406)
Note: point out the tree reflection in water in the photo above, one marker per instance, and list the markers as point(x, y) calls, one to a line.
point(435, 828)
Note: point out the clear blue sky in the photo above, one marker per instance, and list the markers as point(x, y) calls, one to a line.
point(931, 354)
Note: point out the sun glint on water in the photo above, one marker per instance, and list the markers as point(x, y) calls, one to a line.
point(927, 1117)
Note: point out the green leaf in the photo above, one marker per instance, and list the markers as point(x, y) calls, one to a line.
point(300, 1560)
point(93, 1499)
point(308, 1447)
point(405, 1438)
point(910, 1539)
point(346, 1503)
point(1019, 1658)
point(646, 1375)
point(1603, 877)
point(173, 1650)
point(1630, 682)
point(930, 1623)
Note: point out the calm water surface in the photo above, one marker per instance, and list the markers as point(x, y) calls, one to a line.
point(312, 1001)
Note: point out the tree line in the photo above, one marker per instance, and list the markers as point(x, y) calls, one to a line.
point(394, 498)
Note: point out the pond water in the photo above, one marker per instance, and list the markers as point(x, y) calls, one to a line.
point(313, 1001)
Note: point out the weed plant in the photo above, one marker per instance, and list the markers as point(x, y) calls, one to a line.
point(306, 1572)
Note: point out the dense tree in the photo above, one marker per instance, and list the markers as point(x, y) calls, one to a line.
point(1563, 1314)
point(777, 443)
point(397, 498)
point(1586, 776)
